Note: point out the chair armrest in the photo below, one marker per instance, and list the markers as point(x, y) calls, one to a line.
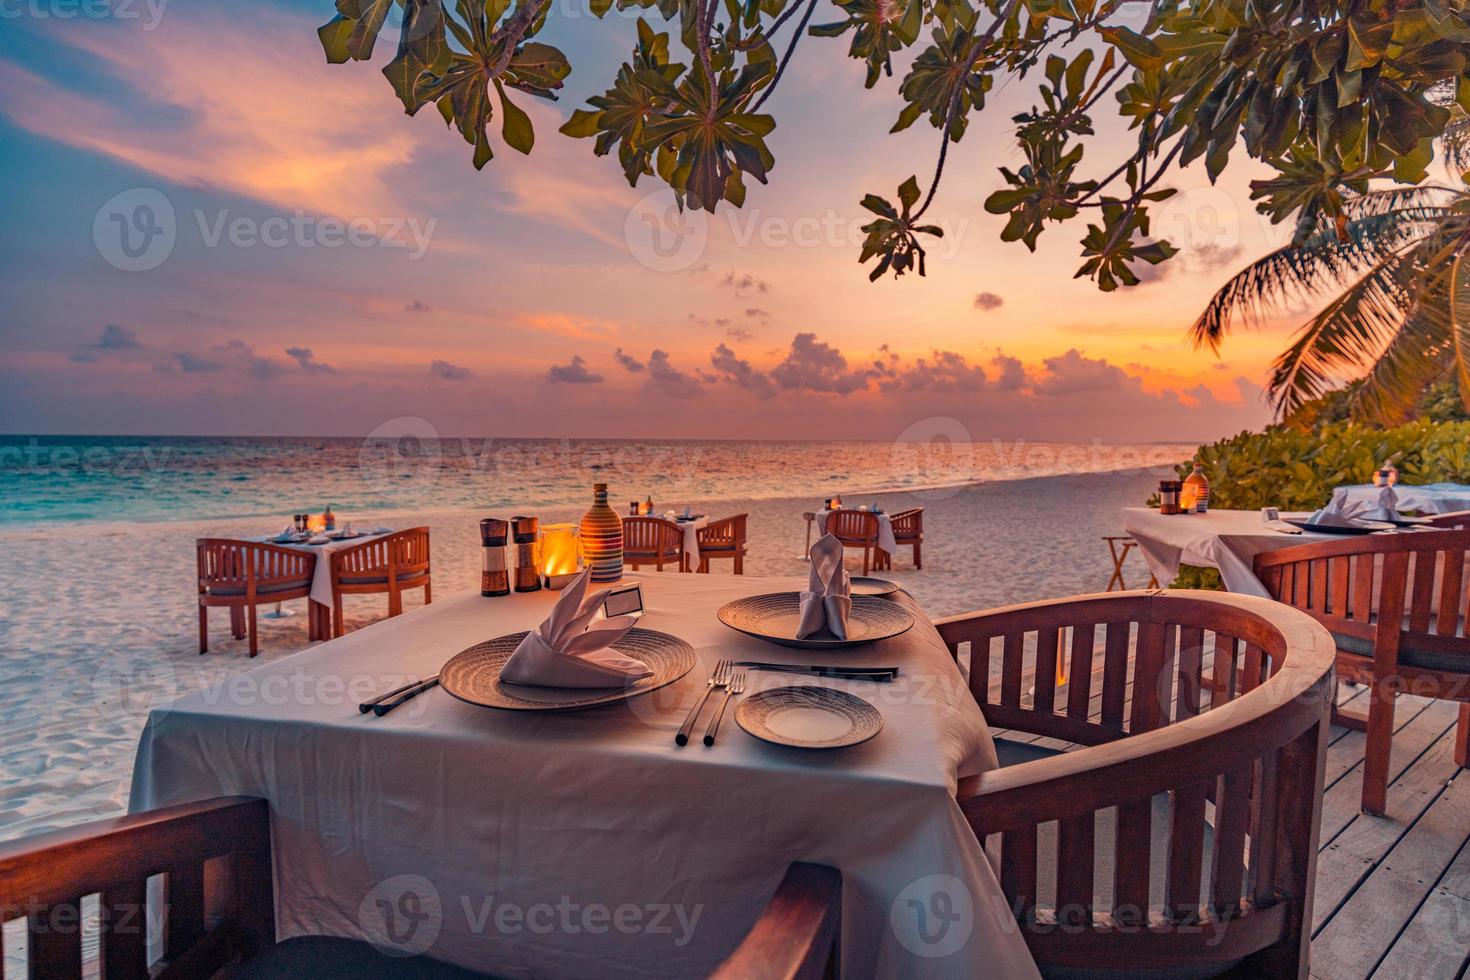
point(45, 877)
point(796, 936)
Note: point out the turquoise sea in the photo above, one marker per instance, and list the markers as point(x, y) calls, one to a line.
point(47, 479)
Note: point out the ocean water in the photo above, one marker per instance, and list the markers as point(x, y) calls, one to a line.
point(48, 479)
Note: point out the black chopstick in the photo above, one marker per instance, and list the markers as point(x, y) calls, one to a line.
point(823, 670)
point(367, 706)
point(383, 707)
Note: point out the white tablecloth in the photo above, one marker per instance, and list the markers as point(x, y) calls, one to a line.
point(1225, 539)
point(691, 538)
point(885, 530)
point(321, 578)
point(1434, 498)
point(482, 827)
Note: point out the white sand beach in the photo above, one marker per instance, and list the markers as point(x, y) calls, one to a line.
point(98, 622)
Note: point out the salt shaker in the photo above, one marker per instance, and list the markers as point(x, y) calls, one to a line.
point(494, 579)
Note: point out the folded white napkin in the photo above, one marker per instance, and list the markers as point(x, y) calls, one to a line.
point(827, 600)
point(287, 534)
point(1386, 508)
point(1341, 515)
point(569, 650)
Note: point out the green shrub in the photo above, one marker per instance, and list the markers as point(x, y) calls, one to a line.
point(1295, 470)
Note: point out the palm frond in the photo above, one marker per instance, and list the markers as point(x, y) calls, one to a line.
point(1295, 273)
point(1459, 317)
point(1347, 335)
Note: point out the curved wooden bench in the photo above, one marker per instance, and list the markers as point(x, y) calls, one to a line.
point(1216, 703)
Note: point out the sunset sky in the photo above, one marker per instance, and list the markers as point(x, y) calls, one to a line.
point(532, 298)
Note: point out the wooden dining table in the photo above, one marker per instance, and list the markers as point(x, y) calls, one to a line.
point(586, 843)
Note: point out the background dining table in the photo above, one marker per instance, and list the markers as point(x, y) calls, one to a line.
point(1432, 498)
point(321, 578)
point(690, 526)
point(450, 828)
point(885, 530)
point(1228, 540)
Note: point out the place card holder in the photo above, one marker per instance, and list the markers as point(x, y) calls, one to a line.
point(624, 601)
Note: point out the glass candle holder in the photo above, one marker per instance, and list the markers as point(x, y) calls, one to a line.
point(561, 554)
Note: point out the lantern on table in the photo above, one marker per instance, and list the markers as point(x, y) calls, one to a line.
point(1386, 475)
point(561, 554)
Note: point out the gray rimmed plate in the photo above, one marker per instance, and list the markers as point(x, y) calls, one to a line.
point(775, 616)
point(866, 585)
point(473, 675)
point(808, 717)
point(1366, 527)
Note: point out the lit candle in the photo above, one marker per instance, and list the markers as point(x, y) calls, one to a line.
point(561, 554)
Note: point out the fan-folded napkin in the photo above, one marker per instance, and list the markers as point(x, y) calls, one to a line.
point(827, 600)
point(570, 650)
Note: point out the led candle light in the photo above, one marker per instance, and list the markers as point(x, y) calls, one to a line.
point(1386, 475)
point(561, 554)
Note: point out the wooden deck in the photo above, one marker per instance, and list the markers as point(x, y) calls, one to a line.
point(1393, 893)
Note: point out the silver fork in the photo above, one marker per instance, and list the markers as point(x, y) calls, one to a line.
point(736, 686)
point(719, 678)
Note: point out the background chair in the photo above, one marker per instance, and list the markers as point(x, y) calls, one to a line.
point(908, 528)
point(1454, 519)
point(723, 539)
point(45, 879)
point(1395, 605)
point(856, 529)
point(653, 541)
point(1155, 848)
point(240, 575)
point(390, 564)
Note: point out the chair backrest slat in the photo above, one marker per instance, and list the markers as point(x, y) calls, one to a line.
point(1182, 883)
point(1132, 855)
point(1191, 666)
point(1044, 696)
point(1079, 676)
point(853, 526)
point(124, 939)
point(1232, 815)
point(1115, 673)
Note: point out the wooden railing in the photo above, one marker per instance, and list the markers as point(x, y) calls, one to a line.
point(1216, 705)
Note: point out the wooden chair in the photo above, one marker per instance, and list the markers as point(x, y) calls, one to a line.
point(240, 575)
point(218, 908)
point(908, 528)
point(1202, 720)
point(856, 529)
point(1454, 519)
point(653, 541)
point(723, 539)
point(390, 564)
point(1395, 605)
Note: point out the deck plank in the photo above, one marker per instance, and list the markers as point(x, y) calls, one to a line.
point(1366, 927)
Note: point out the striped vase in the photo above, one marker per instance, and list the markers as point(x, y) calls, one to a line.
point(602, 538)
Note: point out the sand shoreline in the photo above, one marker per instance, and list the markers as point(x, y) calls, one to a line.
point(98, 621)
